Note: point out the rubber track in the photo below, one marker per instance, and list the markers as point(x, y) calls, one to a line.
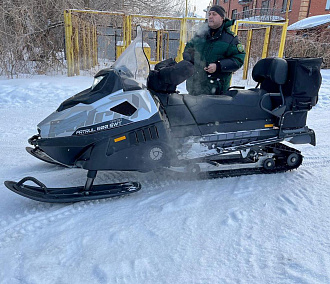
point(279, 167)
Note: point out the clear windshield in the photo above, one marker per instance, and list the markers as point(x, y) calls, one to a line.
point(133, 62)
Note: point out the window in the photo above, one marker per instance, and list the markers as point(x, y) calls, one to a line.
point(285, 2)
point(264, 8)
point(246, 12)
point(265, 4)
point(225, 1)
point(234, 14)
point(327, 6)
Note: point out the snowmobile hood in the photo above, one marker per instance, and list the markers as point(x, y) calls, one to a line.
point(108, 81)
point(115, 110)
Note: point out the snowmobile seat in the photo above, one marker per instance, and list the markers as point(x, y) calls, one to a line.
point(234, 105)
point(242, 105)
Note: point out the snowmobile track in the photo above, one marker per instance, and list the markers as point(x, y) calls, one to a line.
point(316, 161)
point(32, 222)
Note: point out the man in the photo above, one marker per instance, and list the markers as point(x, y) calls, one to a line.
point(216, 53)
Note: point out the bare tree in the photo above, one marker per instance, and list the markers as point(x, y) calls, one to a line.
point(32, 31)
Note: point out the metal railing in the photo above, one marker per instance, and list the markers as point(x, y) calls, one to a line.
point(262, 15)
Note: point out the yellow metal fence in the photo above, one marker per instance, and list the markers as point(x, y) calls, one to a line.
point(90, 34)
point(251, 28)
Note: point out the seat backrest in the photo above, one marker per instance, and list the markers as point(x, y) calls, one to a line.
point(270, 72)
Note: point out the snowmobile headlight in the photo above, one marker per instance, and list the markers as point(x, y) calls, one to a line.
point(96, 81)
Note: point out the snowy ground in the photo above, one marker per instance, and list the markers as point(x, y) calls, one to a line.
point(251, 229)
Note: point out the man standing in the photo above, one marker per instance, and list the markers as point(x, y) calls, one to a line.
point(216, 53)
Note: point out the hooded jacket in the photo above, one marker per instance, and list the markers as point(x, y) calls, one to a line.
point(222, 48)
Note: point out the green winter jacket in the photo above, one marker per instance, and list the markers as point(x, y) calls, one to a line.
point(224, 49)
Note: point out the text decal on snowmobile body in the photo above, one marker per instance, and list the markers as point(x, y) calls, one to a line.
point(102, 126)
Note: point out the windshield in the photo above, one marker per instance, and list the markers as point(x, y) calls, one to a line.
point(133, 61)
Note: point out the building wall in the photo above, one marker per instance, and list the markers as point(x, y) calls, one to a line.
point(300, 8)
point(318, 8)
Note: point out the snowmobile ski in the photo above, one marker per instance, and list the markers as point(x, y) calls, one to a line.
point(70, 194)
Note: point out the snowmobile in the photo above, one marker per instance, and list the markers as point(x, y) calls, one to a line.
point(132, 119)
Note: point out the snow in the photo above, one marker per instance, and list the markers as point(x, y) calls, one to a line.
point(310, 22)
point(250, 229)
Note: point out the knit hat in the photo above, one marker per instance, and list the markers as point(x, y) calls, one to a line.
point(218, 9)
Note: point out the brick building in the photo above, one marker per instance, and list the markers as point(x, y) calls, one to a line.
point(274, 9)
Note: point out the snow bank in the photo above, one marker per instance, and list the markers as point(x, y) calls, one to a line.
point(310, 22)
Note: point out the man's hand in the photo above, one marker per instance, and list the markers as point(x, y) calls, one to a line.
point(211, 68)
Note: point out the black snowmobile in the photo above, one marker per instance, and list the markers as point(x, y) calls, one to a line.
point(120, 124)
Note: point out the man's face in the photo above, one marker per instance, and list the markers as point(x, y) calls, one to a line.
point(215, 20)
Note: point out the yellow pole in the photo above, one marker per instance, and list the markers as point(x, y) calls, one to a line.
point(124, 32)
point(68, 41)
point(84, 35)
point(266, 43)
point(89, 49)
point(236, 27)
point(127, 31)
point(247, 54)
point(158, 46)
point(94, 36)
point(76, 46)
point(182, 44)
point(283, 37)
point(167, 45)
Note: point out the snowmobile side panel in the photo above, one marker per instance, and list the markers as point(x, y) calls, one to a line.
point(294, 119)
point(230, 139)
point(175, 99)
point(185, 131)
point(66, 150)
point(265, 124)
point(179, 115)
point(143, 149)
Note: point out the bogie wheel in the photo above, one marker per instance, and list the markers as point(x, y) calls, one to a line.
point(193, 169)
point(293, 160)
point(269, 164)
